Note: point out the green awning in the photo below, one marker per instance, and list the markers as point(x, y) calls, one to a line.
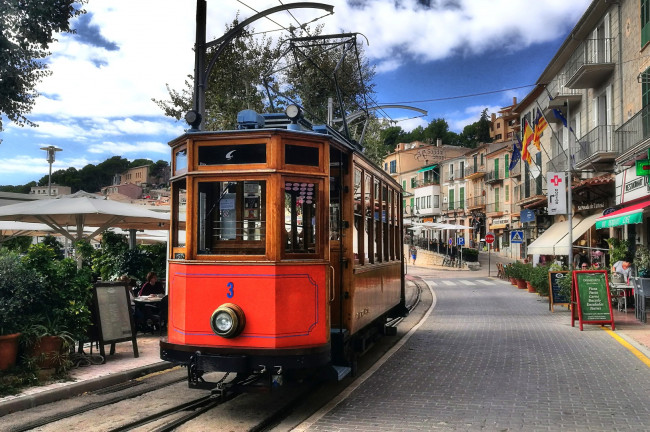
point(429, 168)
point(627, 215)
point(633, 218)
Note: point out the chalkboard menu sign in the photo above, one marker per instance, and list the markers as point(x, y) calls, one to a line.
point(113, 318)
point(556, 297)
point(593, 297)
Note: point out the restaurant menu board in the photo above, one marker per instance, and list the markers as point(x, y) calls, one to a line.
point(593, 298)
point(113, 314)
point(556, 297)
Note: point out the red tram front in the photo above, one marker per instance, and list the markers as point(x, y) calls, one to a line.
point(281, 241)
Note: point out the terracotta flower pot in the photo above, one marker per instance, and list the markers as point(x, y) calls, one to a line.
point(8, 350)
point(521, 284)
point(513, 281)
point(47, 351)
point(531, 289)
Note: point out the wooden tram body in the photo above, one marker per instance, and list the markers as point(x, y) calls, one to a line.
point(291, 236)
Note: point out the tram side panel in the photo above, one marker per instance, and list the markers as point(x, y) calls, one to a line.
point(284, 306)
point(373, 292)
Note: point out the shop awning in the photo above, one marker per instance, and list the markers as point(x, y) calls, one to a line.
point(429, 168)
point(545, 243)
point(627, 215)
point(562, 246)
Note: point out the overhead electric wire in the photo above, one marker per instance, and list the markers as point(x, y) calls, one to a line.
point(462, 96)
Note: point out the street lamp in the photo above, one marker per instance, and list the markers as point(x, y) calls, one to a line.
point(51, 152)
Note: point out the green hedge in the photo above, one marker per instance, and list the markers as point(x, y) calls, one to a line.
point(470, 255)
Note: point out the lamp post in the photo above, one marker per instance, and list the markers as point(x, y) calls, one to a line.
point(51, 152)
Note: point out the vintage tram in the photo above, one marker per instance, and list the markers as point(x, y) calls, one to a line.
point(286, 249)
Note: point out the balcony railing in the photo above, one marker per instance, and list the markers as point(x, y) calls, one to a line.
point(428, 182)
point(590, 64)
point(454, 205)
point(493, 176)
point(516, 171)
point(596, 146)
point(557, 87)
point(496, 207)
point(470, 170)
point(556, 164)
point(478, 201)
point(633, 134)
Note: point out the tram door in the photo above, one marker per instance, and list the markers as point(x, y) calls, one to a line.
point(336, 232)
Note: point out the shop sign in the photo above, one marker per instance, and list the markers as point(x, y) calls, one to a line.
point(527, 215)
point(590, 206)
point(630, 187)
point(500, 221)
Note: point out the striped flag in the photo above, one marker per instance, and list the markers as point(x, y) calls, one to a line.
point(540, 125)
point(528, 137)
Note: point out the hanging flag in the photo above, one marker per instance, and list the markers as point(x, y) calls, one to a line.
point(528, 137)
point(558, 115)
point(516, 154)
point(556, 190)
point(540, 125)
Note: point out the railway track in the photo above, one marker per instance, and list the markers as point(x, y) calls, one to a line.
point(192, 409)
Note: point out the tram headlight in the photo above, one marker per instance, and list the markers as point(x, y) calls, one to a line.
point(228, 320)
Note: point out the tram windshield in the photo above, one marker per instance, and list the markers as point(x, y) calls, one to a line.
point(300, 216)
point(232, 218)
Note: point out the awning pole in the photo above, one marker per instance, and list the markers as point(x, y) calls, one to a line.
point(569, 197)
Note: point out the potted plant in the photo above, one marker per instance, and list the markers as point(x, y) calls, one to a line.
point(49, 345)
point(17, 301)
point(520, 271)
point(510, 274)
point(539, 280)
point(642, 261)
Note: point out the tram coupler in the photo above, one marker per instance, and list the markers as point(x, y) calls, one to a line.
point(195, 375)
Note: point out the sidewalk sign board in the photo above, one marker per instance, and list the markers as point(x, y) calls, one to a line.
point(555, 298)
point(112, 316)
point(593, 298)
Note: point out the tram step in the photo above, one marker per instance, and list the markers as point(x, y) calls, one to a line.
point(342, 371)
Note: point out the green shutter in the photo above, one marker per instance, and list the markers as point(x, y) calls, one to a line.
point(496, 168)
point(507, 166)
point(496, 199)
point(451, 199)
point(645, 22)
point(461, 198)
point(507, 193)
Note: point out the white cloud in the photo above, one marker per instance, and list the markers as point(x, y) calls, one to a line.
point(122, 148)
point(408, 124)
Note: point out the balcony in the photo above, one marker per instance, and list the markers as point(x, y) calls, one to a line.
point(516, 171)
point(427, 182)
point(493, 177)
point(474, 172)
point(475, 202)
point(591, 64)
point(561, 97)
point(632, 138)
point(596, 149)
point(452, 206)
point(558, 163)
point(496, 208)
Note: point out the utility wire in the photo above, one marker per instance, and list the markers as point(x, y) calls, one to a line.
point(461, 96)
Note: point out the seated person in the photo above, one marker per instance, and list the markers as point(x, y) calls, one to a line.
point(623, 268)
point(151, 286)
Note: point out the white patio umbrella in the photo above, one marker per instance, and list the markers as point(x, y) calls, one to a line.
point(84, 209)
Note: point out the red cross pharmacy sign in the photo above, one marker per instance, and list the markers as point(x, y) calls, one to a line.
point(556, 193)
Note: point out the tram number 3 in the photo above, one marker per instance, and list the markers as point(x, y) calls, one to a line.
point(231, 290)
point(361, 313)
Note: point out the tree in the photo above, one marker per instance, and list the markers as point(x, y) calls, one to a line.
point(233, 84)
point(375, 148)
point(477, 132)
point(310, 77)
point(28, 29)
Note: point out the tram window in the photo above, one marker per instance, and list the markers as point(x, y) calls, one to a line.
point(301, 155)
point(231, 218)
point(357, 240)
point(232, 154)
point(385, 216)
point(369, 246)
point(300, 217)
point(180, 162)
point(180, 204)
point(378, 221)
point(335, 209)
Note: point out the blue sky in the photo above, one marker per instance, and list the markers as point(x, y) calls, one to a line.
point(97, 103)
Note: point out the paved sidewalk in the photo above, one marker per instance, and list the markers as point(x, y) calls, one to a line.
point(119, 367)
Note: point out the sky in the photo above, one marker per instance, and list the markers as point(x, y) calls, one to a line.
point(436, 55)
